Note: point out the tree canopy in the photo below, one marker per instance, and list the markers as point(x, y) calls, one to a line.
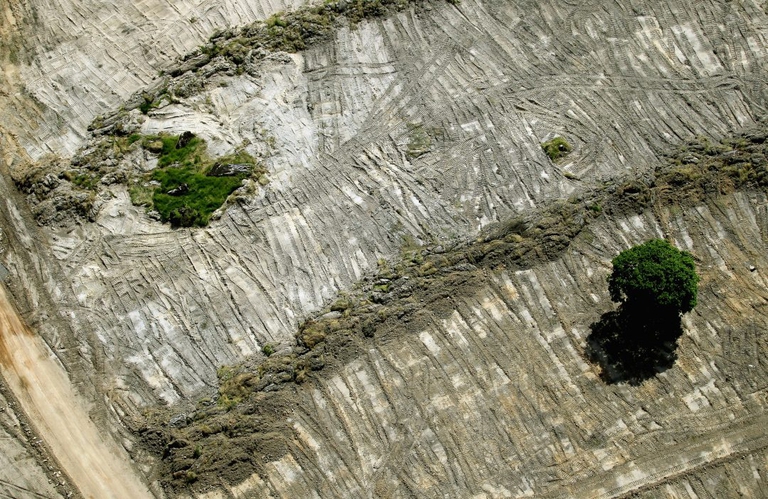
point(655, 274)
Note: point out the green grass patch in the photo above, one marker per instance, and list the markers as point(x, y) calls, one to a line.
point(187, 195)
point(556, 148)
point(190, 155)
point(204, 195)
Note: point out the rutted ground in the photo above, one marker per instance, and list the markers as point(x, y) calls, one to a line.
point(249, 427)
point(424, 126)
point(487, 394)
point(66, 62)
point(344, 190)
point(21, 475)
point(39, 382)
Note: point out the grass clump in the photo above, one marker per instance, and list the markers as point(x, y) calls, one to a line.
point(86, 181)
point(141, 195)
point(187, 153)
point(556, 148)
point(201, 198)
point(188, 186)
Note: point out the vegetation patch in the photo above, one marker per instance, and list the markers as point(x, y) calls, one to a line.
point(254, 397)
point(296, 30)
point(236, 50)
point(198, 195)
point(656, 274)
point(702, 167)
point(557, 148)
point(655, 283)
point(185, 189)
point(187, 186)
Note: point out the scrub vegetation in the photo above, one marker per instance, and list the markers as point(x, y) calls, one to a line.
point(556, 148)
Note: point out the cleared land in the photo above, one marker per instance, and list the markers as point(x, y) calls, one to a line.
point(419, 128)
point(44, 392)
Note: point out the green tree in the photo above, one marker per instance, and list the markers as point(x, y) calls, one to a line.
point(655, 276)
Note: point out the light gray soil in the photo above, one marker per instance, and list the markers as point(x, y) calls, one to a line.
point(421, 127)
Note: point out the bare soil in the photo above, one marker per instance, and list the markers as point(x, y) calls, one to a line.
point(94, 463)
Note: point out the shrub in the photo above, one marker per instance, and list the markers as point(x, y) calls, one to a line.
point(556, 148)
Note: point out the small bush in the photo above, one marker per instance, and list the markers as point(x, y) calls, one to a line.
point(267, 349)
point(556, 148)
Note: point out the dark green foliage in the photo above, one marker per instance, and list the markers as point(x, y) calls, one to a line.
point(205, 195)
point(655, 274)
point(556, 148)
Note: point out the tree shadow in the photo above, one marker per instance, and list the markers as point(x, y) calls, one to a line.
point(634, 343)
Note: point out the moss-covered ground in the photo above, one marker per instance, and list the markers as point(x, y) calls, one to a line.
point(556, 148)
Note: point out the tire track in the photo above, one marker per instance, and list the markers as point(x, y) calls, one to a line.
point(93, 462)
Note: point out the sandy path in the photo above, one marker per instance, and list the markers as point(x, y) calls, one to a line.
point(98, 467)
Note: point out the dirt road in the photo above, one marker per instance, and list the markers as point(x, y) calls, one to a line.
point(95, 464)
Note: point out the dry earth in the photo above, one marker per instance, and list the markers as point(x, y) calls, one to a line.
point(487, 394)
point(421, 127)
point(40, 384)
